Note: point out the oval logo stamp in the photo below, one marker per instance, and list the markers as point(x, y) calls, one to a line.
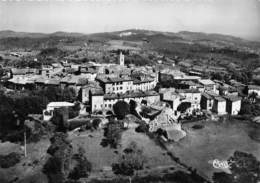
point(220, 164)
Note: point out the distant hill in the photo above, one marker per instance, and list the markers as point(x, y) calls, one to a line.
point(9, 33)
point(156, 39)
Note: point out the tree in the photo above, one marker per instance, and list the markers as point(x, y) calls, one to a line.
point(252, 96)
point(9, 160)
point(57, 167)
point(74, 110)
point(183, 106)
point(60, 119)
point(113, 133)
point(247, 108)
point(83, 166)
point(68, 94)
point(130, 161)
point(121, 109)
point(96, 122)
point(142, 128)
point(132, 109)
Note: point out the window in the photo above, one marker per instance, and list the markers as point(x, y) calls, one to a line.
point(121, 88)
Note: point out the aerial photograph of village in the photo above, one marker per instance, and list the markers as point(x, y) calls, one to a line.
point(117, 91)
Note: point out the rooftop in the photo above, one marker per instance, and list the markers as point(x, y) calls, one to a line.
point(254, 87)
point(114, 79)
point(219, 98)
point(60, 104)
point(187, 91)
point(233, 98)
point(135, 94)
point(206, 82)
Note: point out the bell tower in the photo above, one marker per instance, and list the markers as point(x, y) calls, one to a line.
point(121, 59)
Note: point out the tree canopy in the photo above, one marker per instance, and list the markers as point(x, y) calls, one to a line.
point(130, 161)
point(121, 109)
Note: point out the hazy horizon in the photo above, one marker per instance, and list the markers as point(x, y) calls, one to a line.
point(240, 18)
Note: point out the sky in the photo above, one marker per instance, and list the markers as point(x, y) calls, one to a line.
point(233, 17)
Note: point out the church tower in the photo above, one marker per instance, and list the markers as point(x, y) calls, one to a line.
point(121, 59)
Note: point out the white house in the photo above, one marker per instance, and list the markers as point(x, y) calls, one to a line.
point(219, 105)
point(233, 105)
point(48, 112)
point(255, 89)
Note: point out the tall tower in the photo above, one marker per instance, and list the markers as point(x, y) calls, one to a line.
point(121, 59)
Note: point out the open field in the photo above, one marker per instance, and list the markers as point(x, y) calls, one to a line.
point(215, 141)
point(100, 157)
point(103, 157)
point(155, 155)
point(124, 45)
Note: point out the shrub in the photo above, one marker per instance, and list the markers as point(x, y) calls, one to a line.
point(142, 128)
point(96, 122)
point(9, 160)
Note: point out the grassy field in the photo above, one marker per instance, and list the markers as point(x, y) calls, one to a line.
point(99, 156)
point(127, 45)
point(155, 155)
point(215, 141)
point(103, 157)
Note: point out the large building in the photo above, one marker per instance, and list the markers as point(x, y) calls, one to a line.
point(100, 101)
point(115, 84)
point(125, 83)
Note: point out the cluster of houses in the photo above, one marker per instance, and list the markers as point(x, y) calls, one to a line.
point(100, 86)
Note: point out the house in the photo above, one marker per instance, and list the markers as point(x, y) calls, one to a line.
point(86, 89)
point(233, 105)
point(24, 71)
point(208, 85)
point(219, 105)
point(206, 101)
point(21, 82)
point(171, 97)
point(87, 71)
point(190, 95)
point(253, 89)
point(49, 111)
point(40, 82)
point(52, 82)
point(240, 87)
point(144, 83)
point(115, 84)
point(227, 90)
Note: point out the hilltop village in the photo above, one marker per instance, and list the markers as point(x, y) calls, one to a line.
point(99, 86)
point(127, 115)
